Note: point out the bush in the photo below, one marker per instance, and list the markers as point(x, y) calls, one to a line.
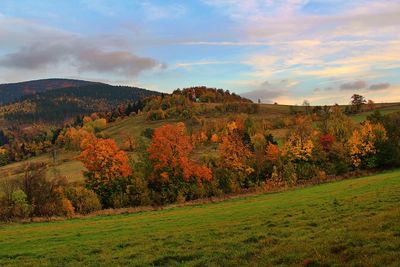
point(7, 188)
point(45, 196)
point(154, 115)
point(20, 206)
point(83, 200)
point(4, 159)
point(67, 207)
point(228, 180)
point(306, 171)
point(148, 133)
point(289, 173)
point(138, 193)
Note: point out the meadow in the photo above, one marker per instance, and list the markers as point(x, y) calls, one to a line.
point(352, 222)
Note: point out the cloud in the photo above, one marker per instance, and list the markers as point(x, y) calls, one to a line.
point(379, 86)
point(202, 63)
point(80, 54)
point(357, 85)
point(122, 62)
point(268, 92)
point(46, 48)
point(156, 12)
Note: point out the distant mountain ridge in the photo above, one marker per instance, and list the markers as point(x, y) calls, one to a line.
point(10, 92)
point(58, 105)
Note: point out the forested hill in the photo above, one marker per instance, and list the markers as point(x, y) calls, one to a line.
point(58, 105)
point(10, 92)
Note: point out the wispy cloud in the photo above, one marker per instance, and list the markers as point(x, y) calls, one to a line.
point(202, 63)
point(156, 12)
point(342, 45)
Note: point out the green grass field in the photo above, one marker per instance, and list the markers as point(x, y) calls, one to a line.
point(353, 222)
point(383, 108)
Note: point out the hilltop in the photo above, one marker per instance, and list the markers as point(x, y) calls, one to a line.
point(13, 91)
point(58, 105)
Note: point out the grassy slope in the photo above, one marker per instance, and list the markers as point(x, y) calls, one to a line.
point(68, 166)
point(352, 222)
point(384, 110)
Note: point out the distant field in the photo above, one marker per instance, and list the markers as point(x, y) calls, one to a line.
point(349, 223)
point(386, 109)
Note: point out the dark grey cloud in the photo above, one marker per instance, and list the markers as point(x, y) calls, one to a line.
point(353, 85)
point(45, 47)
point(320, 89)
point(122, 62)
point(79, 54)
point(36, 56)
point(379, 86)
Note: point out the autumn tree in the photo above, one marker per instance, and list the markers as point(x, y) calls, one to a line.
point(272, 152)
point(232, 152)
point(73, 137)
point(299, 144)
point(94, 125)
point(107, 169)
point(326, 140)
point(45, 196)
point(129, 142)
point(174, 172)
point(4, 159)
point(214, 138)
point(298, 152)
point(234, 157)
point(363, 144)
point(337, 124)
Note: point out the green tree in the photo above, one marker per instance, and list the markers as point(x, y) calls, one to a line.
point(357, 101)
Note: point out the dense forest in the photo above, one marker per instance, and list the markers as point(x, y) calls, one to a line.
point(59, 105)
point(13, 91)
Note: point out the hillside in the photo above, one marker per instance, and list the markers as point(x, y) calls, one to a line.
point(58, 105)
point(347, 223)
point(13, 91)
point(67, 165)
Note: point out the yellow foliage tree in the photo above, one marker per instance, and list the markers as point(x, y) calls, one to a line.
point(299, 145)
point(297, 148)
point(363, 141)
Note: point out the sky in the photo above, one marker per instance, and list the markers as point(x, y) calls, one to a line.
point(284, 51)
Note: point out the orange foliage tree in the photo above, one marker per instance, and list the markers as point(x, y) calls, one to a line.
point(272, 152)
point(72, 138)
point(169, 154)
point(107, 167)
point(214, 138)
point(234, 158)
